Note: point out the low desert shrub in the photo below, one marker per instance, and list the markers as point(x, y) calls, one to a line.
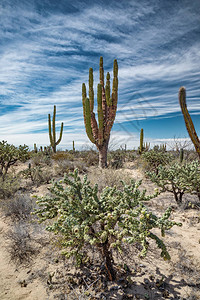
point(60, 155)
point(116, 159)
point(40, 159)
point(18, 208)
point(152, 159)
point(9, 186)
point(19, 247)
point(90, 158)
point(37, 174)
point(105, 222)
point(107, 177)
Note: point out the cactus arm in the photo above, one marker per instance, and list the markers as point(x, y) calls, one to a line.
point(91, 90)
point(54, 125)
point(61, 132)
point(50, 134)
point(113, 108)
point(100, 114)
point(101, 71)
point(88, 121)
point(107, 89)
point(188, 121)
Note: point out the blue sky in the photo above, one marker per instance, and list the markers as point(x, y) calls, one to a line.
point(47, 48)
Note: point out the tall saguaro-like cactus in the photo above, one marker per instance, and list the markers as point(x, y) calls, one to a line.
point(52, 132)
point(188, 121)
point(99, 134)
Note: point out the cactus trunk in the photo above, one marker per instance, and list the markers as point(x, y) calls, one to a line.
point(103, 151)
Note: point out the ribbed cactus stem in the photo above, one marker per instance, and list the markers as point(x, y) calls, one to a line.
point(181, 155)
point(188, 121)
point(99, 134)
point(52, 131)
point(141, 140)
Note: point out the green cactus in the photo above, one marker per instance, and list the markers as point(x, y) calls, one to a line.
point(35, 148)
point(73, 146)
point(52, 132)
point(188, 121)
point(141, 141)
point(181, 155)
point(99, 134)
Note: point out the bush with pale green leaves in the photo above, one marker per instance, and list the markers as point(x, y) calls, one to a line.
point(178, 178)
point(106, 221)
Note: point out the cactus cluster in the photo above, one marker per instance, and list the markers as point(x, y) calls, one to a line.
point(99, 133)
point(52, 131)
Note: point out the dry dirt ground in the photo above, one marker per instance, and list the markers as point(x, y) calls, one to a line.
point(49, 276)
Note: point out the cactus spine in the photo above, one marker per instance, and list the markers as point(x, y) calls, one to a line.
point(141, 141)
point(99, 134)
point(52, 132)
point(188, 121)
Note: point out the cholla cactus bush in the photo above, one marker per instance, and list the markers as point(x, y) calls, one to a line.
point(9, 155)
point(179, 178)
point(154, 159)
point(192, 177)
point(104, 221)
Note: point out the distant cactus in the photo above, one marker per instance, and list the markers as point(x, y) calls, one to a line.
point(99, 134)
point(52, 132)
point(188, 121)
point(141, 141)
point(181, 155)
point(73, 146)
point(35, 148)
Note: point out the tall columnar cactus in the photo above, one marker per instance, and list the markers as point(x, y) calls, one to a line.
point(99, 134)
point(141, 141)
point(188, 121)
point(73, 145)
point(181, 155)
point(52, 132)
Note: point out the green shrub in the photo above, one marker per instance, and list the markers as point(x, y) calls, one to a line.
point(40, 159)
point(154, 159)
point(178, 179)
point(116, 159)
point(9, 186)
point(20, 247)
point(18, 208)
point(60, 155)
point(9, 155)
point(105, 222)
point(37, 174)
